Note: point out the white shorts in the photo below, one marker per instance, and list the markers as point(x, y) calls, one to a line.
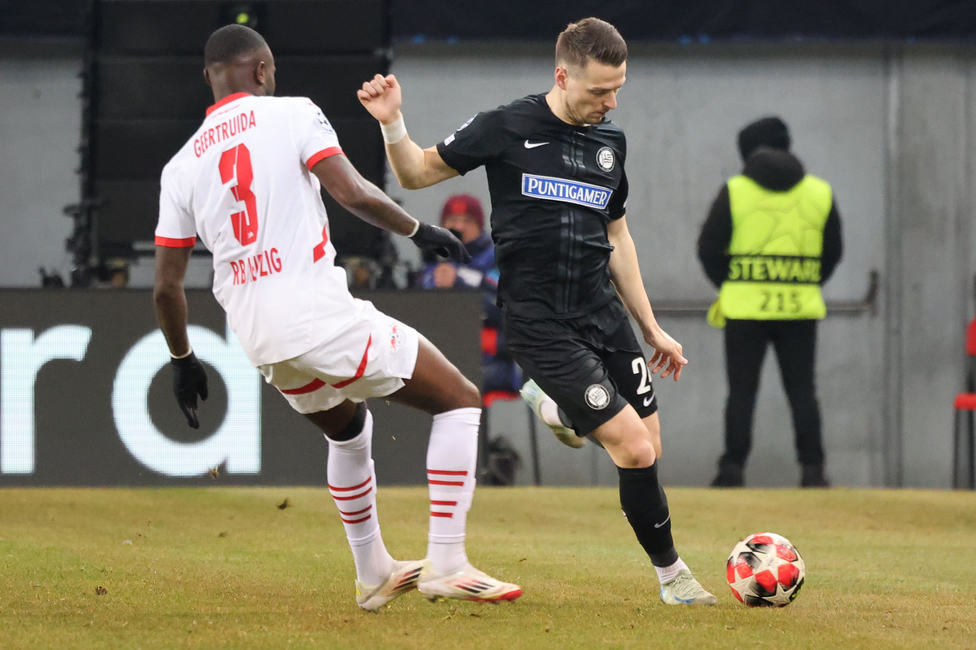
point(370, 357)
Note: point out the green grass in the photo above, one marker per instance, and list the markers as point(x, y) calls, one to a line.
point(226, 568)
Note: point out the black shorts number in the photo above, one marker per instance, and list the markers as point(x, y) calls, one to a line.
point(639, 366)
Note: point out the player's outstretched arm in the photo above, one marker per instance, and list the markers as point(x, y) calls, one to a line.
point(346, 185)
point(413, 167)
point(189, 377)
point(625, 272)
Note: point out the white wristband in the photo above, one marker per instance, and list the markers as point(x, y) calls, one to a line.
point(182, 356)
point(416, 227)
point(393, 133)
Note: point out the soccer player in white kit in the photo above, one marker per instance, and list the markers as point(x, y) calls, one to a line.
point(247, 184)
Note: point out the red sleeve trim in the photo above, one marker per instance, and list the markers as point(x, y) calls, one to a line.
point(322, 155)
point(175, 243)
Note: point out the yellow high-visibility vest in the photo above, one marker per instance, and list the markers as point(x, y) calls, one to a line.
point(776, 249)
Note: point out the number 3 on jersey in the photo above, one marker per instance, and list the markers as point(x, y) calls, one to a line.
point(237, 162)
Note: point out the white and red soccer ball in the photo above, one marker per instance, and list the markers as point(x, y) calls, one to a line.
point(765, 570)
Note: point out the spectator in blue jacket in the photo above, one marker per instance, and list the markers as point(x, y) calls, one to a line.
point(463, 215)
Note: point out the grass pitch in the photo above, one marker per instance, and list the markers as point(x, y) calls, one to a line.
point(221, 567)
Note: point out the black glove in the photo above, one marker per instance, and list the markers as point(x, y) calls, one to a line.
point(189, 380)
point(442, 242)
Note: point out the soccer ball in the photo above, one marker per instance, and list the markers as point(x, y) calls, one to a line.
point(765, 570)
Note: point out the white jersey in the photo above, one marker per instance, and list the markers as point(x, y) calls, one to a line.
point(242, 184)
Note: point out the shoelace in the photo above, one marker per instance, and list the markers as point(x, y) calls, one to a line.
point(681, 583)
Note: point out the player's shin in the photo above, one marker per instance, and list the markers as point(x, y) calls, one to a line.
point(352, 483)
point(646, 507)
point(451, 457)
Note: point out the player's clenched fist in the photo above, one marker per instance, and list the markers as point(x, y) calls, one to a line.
point(382, 98)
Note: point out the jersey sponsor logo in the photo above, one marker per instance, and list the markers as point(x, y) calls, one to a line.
point(567, 191)
point(224, 131)
point(597, 397)
point(255, 267)
point(605, 159)
point(533, 145)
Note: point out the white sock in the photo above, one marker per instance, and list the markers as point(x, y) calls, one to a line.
point(451, 457)
point(549, 411)
point(669, 573)
point(352, 483)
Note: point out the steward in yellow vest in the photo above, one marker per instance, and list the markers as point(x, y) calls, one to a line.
point(772, 238)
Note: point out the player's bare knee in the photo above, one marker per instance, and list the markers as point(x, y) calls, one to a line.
point(467, 394)
point(636, 453)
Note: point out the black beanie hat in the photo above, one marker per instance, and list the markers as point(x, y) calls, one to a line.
point(767, 132)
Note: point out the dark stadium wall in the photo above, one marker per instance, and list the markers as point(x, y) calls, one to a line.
point(705, 20)
point(639, 19)
point(86, 397)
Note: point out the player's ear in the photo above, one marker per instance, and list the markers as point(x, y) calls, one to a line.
point(561, 74)
point(261, 73)
point(206, 77)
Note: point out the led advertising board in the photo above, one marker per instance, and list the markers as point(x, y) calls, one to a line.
point(86, 397)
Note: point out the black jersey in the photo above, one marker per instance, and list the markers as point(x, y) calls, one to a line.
point(554, 188)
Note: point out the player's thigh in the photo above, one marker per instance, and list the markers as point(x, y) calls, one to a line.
point(568, 370)
point(304, 391)
point(436, 386)
point(627, 439)
point(372, 356)
point(653, 425)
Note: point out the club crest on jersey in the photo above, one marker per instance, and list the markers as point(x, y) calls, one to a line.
point(397, 337)
point(567, 191)
point(605, 159)
point(597, 397)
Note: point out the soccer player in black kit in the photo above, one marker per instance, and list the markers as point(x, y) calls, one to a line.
point(568, 266)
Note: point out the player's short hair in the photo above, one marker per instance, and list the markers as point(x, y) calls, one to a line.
point(590, 38)
point(230, 42)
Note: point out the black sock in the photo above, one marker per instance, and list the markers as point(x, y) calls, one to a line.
point(646, 507)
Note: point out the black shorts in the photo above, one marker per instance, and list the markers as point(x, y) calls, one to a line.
point(591, 366)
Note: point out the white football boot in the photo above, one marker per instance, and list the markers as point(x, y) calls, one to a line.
point(534, 396)
point(467, 584)
point(404, 578)
point(685, 590)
